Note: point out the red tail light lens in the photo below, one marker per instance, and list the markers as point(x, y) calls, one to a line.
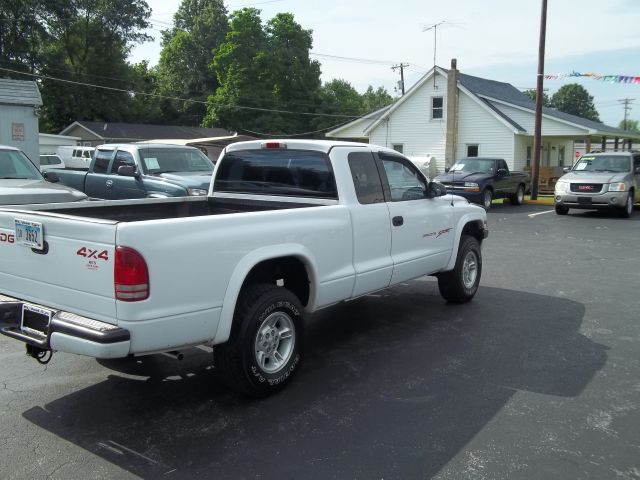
point(274, 145)
point(131, 276)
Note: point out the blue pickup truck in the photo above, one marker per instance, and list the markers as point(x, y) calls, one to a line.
point(119, 171)
point(481, 179)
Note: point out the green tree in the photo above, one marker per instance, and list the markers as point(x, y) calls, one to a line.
point(376, 99)
point(575, 99)
point(200, 26)
point(90, 44)
point(630, 125)
point(546, 101)
point(21, 36)
point(264, 67)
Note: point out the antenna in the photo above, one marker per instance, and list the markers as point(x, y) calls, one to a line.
point(434, 27)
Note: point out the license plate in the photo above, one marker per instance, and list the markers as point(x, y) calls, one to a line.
point(35, 319)
point(29, 234)
point(584, 200)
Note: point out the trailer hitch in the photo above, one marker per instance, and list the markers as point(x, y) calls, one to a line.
point(40, 354)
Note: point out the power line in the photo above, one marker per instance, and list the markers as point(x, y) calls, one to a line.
point(155, 95)
point(352, 59)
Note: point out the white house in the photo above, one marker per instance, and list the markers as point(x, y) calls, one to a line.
point(49, 143)
point(19, 104)
point(450, 115)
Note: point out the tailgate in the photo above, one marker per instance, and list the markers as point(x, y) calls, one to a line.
point(73, 272)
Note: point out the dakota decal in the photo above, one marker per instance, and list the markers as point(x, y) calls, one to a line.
point(437, 234)
point(7, 238)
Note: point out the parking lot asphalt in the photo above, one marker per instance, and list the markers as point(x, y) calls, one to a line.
point(537, 377)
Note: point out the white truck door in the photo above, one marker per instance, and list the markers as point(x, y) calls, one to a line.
point(371, 227)
point(422, 229)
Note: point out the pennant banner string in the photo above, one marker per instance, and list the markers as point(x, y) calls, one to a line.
point(635, 79)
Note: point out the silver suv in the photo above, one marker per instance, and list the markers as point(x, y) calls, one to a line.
point(605, 180)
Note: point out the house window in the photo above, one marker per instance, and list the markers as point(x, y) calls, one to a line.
point(437, 108)
point(529, 149)
point(472, 150)
point(398, 147)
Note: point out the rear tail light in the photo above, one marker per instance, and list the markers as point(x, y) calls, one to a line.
point(274, 145)
point(131, 276)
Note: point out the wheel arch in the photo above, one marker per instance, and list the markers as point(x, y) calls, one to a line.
point(293, 263)
point(470, 224)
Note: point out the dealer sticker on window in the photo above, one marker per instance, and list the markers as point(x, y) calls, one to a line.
point(29, 234)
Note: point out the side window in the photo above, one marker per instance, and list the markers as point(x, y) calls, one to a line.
point(405, 182)
point(75, 153)
point(366, 178)
point(437, 108)
point(44, 160)
point(122, 158)
point(103, 157)
point(636, 162)
point(398, 147)
point(86, 154)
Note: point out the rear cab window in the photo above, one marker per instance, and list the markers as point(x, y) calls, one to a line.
point(285, 172)
point(101, 164)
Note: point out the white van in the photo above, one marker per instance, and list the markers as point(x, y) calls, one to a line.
point(76, 156)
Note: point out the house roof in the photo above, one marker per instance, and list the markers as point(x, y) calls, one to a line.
point(366, 121)
point(139, 131)
point(507, 93)
point(490, 94)
point(20, 92)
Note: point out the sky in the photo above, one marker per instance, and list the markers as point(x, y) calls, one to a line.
point(493, 39)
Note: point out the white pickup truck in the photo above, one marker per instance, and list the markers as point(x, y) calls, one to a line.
point(288, 227)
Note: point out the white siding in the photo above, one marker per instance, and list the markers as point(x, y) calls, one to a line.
point(526, 119)
point(478, 126)
point(10, 114)
point(551, 151)
point(353, 130)
point(411, 125)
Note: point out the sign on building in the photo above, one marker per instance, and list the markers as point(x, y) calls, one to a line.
point(17, 132)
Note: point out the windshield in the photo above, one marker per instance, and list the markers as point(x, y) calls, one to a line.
point(15, 165)
point(602, 163)
point(169, 160)
point(473, 165)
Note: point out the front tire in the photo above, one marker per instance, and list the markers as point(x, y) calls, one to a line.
point(560, 210)
point(461, 284)
point(487, 198)
point(627, 210)
point(264, 349)
point(518, 198)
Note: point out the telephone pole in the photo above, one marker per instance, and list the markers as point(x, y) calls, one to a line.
point(626, 102)
point(537, 135)
point(401, 67)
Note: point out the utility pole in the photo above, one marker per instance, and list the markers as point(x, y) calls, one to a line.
point(626, 102)
point(537, 136)
point(401, 67)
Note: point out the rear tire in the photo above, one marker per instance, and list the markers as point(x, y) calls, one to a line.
point(487, 198)
point(264, 349)
point(461, 284)
point(518, 198)
point(560, 210)
point(627, 210)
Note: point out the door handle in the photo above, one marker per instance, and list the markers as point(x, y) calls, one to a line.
point(397, 221)
point(109, 183)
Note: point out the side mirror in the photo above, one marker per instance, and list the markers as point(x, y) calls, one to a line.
point(446, 169)
point(50, 176)
point(502, 172)
point(435, 189)
point(127, 171)
point(566, 169)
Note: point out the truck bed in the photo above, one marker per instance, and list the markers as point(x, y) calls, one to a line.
point(157, 209)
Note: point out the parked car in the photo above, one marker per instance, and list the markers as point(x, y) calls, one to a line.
point(289, 227)
point(76, 156)
point(50, 161)
point(607, 180)
point(481, 179)
point(149, 170)
point(22, 183)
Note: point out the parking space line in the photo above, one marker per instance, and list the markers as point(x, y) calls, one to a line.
point(531, 215)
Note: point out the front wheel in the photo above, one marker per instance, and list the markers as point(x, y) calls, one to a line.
point(264, 349)
point(627, 210)
point(461, 284)
point(487, 198)
point(518, 197)
point(560, 210)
